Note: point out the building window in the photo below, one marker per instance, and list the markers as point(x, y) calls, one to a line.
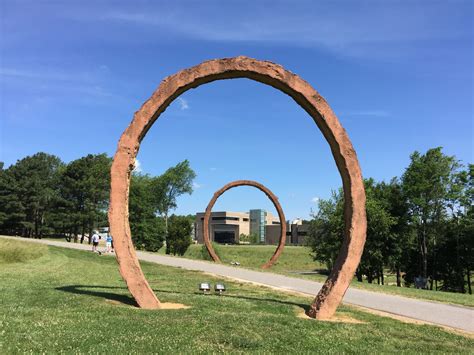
point(245, 219)
point(225, 218)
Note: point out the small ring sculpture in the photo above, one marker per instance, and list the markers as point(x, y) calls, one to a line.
point(330, 295)
point(270, 195)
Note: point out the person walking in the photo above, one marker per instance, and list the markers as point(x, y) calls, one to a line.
point(95, 241)
point(108, 243)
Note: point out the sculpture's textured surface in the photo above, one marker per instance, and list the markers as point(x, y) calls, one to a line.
point(270, 195)
point(331, 294)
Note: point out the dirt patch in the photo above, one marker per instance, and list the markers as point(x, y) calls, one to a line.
point(336, 318)
point(163, 306)
point(117, 303)
point(169, 305)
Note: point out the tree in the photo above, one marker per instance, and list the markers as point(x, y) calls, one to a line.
point(456, 249)
point(150, 196)
point(178, 238)
point(148, 230)
point(84, 191)
point(12, 212)
point(398, 248)
point(175, 182)
point(426, 184)
point(380, 236)
point(33, 191)
point(326, 230)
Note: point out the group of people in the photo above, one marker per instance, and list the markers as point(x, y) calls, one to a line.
point(109, 243)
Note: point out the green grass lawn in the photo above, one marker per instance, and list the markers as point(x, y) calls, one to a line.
point(296, 259)
point(61, 300)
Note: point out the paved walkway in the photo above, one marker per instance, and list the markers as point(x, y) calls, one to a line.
point(433, 312)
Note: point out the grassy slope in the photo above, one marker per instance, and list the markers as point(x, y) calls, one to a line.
point(75, 301)
point(297, 259)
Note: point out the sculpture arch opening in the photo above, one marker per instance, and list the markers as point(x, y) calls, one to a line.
point(303, 94)
point(270, 195)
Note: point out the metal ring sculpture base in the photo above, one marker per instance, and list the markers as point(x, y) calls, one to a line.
point(333, 290)
point(270, 195)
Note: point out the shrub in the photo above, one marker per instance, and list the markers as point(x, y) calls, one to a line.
point(178, 239)
point(205, 254)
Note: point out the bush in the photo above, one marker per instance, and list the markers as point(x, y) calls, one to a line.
point(178, 239)
point(148, 234)
point(254, 239)
point(205, 254)
point(249, 239)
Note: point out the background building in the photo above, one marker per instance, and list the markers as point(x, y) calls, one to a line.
point(298, 233)
point(226, 226)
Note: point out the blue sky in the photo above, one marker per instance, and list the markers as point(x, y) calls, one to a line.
point(398, 74)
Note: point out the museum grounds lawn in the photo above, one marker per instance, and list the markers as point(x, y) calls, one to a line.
point(296, 261)
point(60, 300)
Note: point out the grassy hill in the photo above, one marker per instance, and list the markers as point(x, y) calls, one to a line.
point(62, 300)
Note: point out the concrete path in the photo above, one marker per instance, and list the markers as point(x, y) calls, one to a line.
point(453, 316)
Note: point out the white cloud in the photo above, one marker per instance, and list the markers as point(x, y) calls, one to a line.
point(212, 169)
point(362, 29)
point(315, 199)
point(138, 166)
point(196, 185)
point(183, 104)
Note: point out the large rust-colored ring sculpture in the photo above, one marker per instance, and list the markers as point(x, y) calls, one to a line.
point(270, 195)
point(333, 290)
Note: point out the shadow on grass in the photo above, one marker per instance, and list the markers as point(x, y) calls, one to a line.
point(86, 290)
point(127, 300)
point(272, 300)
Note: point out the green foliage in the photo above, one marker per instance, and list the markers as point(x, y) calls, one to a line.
point(28, 192)
point(379, 235)
point(455, 247)
point(426, 185)
point(178, 238)
point(326, 230)
point(84, 188)
point(244, 238)
point(254, 239)
point(175, 182)
point(421, 225)
point(39, 195)
point(12, 210)
point(205, 254)
point(251, 238)
point(150, 196)
point(148, 230)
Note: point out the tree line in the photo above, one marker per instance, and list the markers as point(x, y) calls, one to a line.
point(42, 196)
point(420, 226)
